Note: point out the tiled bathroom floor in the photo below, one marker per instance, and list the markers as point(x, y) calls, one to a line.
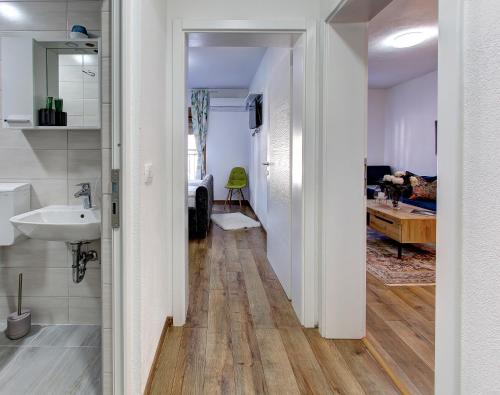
point(54, 359)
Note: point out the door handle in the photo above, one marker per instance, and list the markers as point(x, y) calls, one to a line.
point(266, 164)
point(17, 120)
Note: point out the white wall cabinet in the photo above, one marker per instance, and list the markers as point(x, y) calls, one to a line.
point(33, 70)
point(18, 82)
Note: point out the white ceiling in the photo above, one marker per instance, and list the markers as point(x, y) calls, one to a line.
point(230, 60)
point(223, 67)
point(390, 66)
point(358, 10)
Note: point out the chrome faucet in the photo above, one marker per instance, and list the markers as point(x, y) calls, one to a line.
point(85, 193)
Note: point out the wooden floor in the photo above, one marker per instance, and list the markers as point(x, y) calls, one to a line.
point(400, 325)
point(242, 336)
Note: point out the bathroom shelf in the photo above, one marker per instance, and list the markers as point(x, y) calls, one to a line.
point(59, 128)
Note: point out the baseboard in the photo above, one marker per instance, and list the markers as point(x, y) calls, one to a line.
point(233, 202)
point(168, 323)
point(386, 367)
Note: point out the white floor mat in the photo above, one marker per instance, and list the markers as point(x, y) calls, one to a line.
point(233, 221)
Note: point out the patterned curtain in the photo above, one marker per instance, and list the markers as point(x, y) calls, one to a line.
point(200, 103)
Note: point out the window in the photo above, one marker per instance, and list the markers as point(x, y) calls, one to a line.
point(192, 157)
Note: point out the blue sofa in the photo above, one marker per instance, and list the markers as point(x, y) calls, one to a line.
point(374, 175)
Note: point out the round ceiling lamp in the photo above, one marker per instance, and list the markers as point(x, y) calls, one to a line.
point(10, 12)
point(410, 38)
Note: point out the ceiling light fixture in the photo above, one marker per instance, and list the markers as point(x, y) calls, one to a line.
point(407, 40)
point(10, 12)
point(410, 38)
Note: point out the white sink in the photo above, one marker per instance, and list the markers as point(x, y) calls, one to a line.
point(60, 223)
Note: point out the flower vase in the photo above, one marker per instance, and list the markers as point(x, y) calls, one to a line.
point(396, 195)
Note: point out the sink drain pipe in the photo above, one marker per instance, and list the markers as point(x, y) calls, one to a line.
point(80, 260)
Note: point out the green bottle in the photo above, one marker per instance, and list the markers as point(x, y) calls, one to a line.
point(59, 105)
point(50, 99)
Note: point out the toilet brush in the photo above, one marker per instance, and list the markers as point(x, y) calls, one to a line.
point(19, 323)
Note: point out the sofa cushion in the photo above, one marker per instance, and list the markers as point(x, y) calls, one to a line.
point(424, 189)
point(191, 198)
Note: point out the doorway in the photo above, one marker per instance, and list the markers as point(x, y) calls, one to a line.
point(303, 293)
point(242, 89)
point(402, 189)
point(447, 371)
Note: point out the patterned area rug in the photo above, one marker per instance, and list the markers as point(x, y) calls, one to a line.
point(418, 266)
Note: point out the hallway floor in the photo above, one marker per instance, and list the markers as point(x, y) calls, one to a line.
point(242, 335)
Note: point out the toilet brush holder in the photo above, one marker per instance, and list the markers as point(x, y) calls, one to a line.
point(19, 323)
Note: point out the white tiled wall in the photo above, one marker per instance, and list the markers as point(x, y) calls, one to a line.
point(52, 161)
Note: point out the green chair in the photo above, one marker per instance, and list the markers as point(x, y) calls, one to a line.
point(237, 181)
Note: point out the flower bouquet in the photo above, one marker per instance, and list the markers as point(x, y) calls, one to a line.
point(395, 185)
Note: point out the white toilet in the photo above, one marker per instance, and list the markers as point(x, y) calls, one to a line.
point(14, 200)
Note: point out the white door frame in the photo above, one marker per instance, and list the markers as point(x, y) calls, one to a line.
point(450, 192)
point(450, 195)
point(117, 322)
point(126, 272)
point(177, 129)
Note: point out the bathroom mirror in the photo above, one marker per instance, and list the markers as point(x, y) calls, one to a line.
point(71, 75)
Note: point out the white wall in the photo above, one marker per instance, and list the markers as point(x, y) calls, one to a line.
point(228, 146)
point(411, 110)
point(153, 298)
point(480, 322)
point(242, 9)
point(377, 105)
point(401, 125)
point(343, 270)
point(327, 6)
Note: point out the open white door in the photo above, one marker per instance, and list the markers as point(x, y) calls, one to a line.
point(297, 223)
point(279, 192)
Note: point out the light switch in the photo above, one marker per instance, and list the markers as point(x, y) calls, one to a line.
point(148, 173)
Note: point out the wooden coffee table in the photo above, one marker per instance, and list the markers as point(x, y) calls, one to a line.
point(403, 225)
